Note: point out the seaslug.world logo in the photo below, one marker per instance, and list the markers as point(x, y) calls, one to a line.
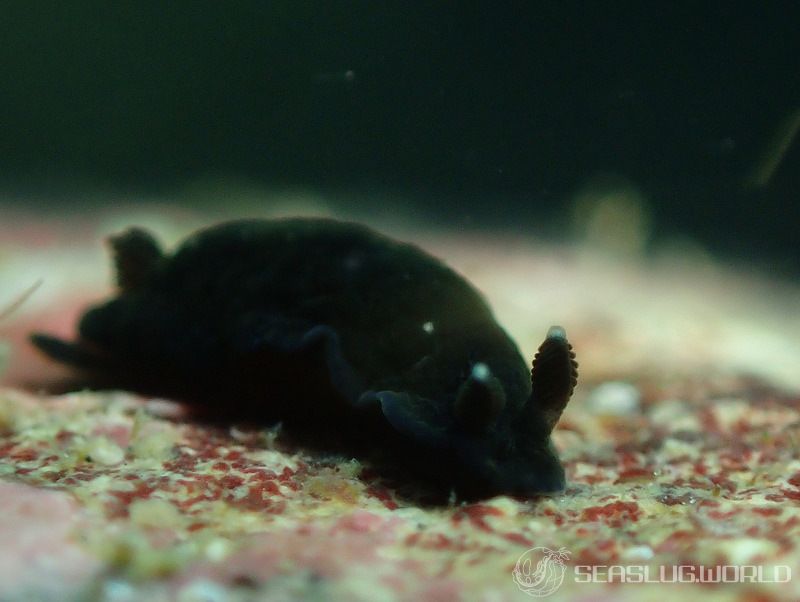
point(540, 571)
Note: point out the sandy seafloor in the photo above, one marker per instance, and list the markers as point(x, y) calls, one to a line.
point(681, 445)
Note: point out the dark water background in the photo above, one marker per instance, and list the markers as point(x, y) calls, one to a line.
point(495, 112)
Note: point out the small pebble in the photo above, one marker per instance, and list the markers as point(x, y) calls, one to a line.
point(103, 450)
point(614, 398)
point(638, 553)
point(202, 590)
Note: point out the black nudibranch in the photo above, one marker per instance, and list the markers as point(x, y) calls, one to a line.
point(331, 326)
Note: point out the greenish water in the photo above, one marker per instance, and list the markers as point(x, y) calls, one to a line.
point(487, 114)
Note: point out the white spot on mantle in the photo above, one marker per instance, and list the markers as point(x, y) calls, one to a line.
point(481, 372)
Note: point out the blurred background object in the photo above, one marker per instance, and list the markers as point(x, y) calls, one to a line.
point(490, 115)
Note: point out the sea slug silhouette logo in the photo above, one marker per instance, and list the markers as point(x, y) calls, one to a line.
point(540, 571)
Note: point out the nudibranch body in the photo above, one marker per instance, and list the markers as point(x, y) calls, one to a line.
point(316, 321)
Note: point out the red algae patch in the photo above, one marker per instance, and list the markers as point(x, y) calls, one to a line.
point(40, 544)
